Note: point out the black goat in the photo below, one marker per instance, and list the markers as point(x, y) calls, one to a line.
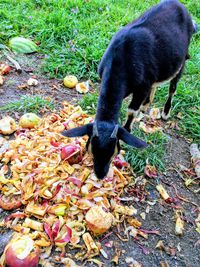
point(150, 50)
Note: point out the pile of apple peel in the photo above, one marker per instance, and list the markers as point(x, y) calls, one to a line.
point(54, 198)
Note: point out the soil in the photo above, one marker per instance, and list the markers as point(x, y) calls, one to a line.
point(185, 250)
point(51, 89)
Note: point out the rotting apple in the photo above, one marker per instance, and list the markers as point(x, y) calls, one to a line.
point(29, 120)
point(7, 203)
point(7, 125)
point(4, 69)
point(70, 81)
point(21, 252)
point(71, 153)
point(120, 162)
point(98, 220)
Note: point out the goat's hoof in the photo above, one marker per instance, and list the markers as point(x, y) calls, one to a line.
point(165, 116)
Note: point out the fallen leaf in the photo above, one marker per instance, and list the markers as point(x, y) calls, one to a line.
point(150, 171)
point(170, 251)
point(164, 264)
point(148, 127)
point(155, 114)
point(116, 257)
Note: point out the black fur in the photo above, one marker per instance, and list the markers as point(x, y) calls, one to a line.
point(151, 49)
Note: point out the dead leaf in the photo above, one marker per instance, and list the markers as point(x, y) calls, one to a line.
point(150, 127)
point(155, 114)
point(150, 171)
point(116, 257)
point(179, 115)
point(170, 251)
point(164, 264)
point(23, 86)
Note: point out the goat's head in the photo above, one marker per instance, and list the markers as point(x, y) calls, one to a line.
point(103, 143)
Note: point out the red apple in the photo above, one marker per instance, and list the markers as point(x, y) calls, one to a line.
point(21, 252)
point(4, 69)
point(71, 153)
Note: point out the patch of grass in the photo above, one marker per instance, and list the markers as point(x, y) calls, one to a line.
point(89, 103)
point(153, 154)
point(73, 33)
point(28, 104)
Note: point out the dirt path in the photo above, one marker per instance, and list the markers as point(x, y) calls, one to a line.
point(180, 251)
point(15, 84)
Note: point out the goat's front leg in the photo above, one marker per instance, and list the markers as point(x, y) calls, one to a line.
point(134, 108)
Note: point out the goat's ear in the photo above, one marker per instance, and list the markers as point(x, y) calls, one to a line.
point(129, 139)
point(79, 131)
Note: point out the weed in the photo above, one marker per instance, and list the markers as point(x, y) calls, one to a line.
point(28, 104)
point(89, 103)
point(153, 154)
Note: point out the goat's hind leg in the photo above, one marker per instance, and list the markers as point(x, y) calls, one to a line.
point(148, 101)
point(172, 90)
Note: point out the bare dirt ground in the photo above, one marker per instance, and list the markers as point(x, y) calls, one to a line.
point(181, 251)
point(53, 89)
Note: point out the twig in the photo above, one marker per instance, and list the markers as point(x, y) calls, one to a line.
point(16, 64)
point(106, 236)
point(181, 198)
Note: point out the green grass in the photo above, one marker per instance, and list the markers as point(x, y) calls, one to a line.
point(153, 154)
point(89, 103)
point(74, 35)
point(28, 104)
